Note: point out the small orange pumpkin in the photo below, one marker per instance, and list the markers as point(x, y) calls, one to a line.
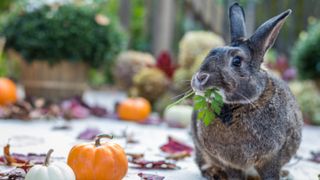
point(106, 161)
point(8, 91)
point(134, 109)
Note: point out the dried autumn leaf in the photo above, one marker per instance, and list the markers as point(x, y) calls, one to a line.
point(15, 174)
point(89, 134)
point(145, 164)
point(98, 111)
point(9, 160)
point(61, 127)
point(178, 156)
point(21, 160)
point(174, 146)
point(133, 156)
point(145, 176)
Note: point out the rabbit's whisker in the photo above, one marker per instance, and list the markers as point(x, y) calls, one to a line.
point(182, 94)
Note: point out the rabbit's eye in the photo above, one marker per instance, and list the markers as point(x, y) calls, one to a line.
point(236, 61)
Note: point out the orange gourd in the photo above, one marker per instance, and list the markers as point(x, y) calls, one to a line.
point(134, 109)
point(99, 161)
point(8, 91)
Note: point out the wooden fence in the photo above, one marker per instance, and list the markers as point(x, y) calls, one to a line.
point(164, 17)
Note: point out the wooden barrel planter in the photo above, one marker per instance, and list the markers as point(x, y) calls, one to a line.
point(54, 82)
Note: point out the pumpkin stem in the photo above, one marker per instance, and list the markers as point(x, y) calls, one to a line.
point(47, 160)
point(98, 137)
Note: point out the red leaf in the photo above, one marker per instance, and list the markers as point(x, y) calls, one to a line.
point(150, 176)
point(173, 146)
point(164, 63)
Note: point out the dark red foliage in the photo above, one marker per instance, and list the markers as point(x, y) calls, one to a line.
point(145, 164)
point(89, 134)
point(282, 66)
point(98, 111)
point(145, 176)
point(173, 146)
point(164, 62)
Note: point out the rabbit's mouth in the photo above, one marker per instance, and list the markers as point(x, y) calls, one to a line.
point(201, 82)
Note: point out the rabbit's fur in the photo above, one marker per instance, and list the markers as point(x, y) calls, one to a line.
point(260, 123)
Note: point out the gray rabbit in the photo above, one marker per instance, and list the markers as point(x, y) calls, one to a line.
point(260, 123)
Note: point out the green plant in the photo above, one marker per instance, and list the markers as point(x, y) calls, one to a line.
point(3, 66)
point(138, 35)
point(68, 32)
point(208, 106)
point(306, 53)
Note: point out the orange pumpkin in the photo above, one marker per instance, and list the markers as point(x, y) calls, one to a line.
point(106, 161)
point(8, 91)
point(134, 109)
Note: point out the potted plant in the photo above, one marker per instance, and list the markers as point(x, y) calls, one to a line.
point(306, 54)
point(58, 44)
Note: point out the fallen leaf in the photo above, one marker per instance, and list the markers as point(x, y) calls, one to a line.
point(174, 146)
point(15, 174)
point(145, 176)
point(98, 111)
point(9, 160)
point(153, 120)
point(178, 156)
point(134, 156)
point(145, 164)
point(61, 127)
point(20, 160)
point(89, 134)
point(315, 157)
point(73, 109)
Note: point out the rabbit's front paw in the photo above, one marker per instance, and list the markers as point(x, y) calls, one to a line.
point(214, 174)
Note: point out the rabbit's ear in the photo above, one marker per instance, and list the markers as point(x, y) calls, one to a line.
point(266, 34)
point(237, 22)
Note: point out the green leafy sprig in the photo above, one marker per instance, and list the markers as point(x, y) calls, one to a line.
point(208, 106)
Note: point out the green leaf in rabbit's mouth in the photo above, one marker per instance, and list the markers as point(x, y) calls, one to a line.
point(208, 106)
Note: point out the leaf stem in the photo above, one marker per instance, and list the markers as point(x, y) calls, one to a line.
point(186, 96)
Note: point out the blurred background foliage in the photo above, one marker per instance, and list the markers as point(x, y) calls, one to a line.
point(306, 53)
point(139, 18)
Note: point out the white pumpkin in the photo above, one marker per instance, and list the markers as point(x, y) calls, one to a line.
point(52, 171)
point(178, 115)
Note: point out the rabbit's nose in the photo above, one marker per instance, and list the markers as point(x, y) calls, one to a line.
point(202, 78)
